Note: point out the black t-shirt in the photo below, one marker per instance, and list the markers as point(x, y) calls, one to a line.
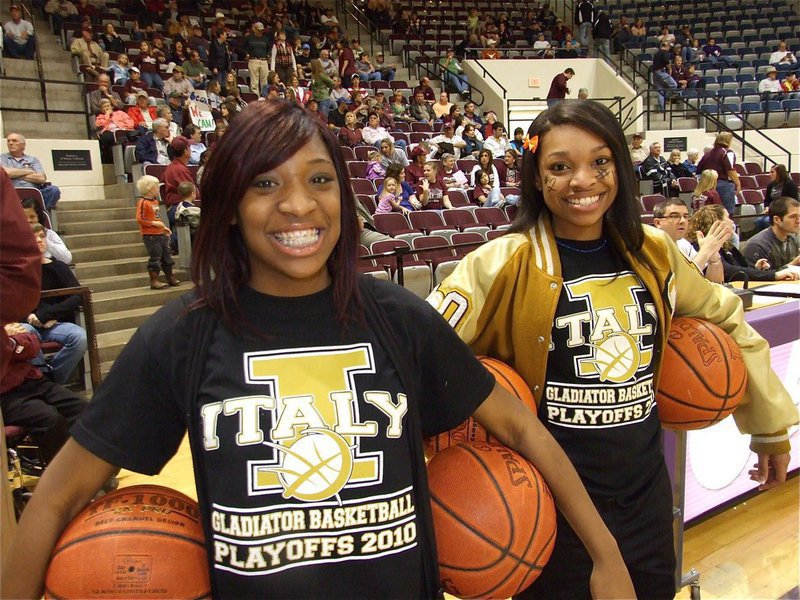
point(599, 401)
point(305, 438)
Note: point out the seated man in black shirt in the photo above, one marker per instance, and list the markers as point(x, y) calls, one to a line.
point(336, 117)
point(657, 170)
point(50, 321)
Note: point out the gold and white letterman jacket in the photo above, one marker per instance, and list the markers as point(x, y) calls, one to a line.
point(503, 297)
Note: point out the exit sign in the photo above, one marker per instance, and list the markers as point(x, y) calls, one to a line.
point(534, 82)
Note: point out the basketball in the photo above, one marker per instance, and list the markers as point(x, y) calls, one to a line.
point(144, 541)
point(470, 430)
point(494, 518)
point(703, 377)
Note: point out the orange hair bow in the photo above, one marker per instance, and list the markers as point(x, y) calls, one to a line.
point(530, 143)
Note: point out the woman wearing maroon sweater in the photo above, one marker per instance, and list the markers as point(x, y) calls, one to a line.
point(350, 135)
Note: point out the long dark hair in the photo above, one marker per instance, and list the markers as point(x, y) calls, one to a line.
point(264, 136)
point(623, 216)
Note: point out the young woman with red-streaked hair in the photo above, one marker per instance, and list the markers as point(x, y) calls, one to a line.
point(306, 390)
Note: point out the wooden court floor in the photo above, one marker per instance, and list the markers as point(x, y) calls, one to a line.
point(749, 551)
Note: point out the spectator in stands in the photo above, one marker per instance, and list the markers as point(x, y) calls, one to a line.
point(155, 234)
point(442, 106)
point(509, 172)
point(583, 93)
point(282, 59)
point(374, 134)
point(421, 110)
point(45, 409)
point(198, 42)
point(447, 142)
point(328, 65)
point(690, 164)
point(559, 88)
point(51, 320)
point(337, 91)
point(61, 11)
point(347, 61)
point(657, 170)
point(734, 265)
point(714, 53)
point(453, 73)
point(666, 36)
point(684, 36)
point(336, 118)
point(108, 121)
point(769, 87)
point(176, 172)
point(781, 185)
point(400, 108)
point(313, 107)
point(543, 47)
point(662, 74)
point(321, 86)
point(151, 148)
point(213, 97)
point(142, 113)
point(375, 170)
point(777, 246)
point(602, 34)
point(791, 85)
point(303, 59)
point(432, 190)
point(680, 72)
point(407, 195)
point(497, 143)
point(722, 159)
point(570, 43)
point(297, 93)
point(219, 55)
point(134, 85)
point(638, 31)
point(350, 135)
point(387, 70)
point(676, 165)
point(638, 152)
point(178, 86)
point(175, 112)
point(149, 63)
point(426, 89)
point(706, 190)
point(120, 70)
point(56, 248)
point(179, 54)
point(484, 193)
point(196, 146)
point(782, 56)
point(672, 217)
point(103, 92)
point(18, 36)
point(584, 19)
point(486, 164)
point(518, 142)
point(25, 171)
point(194, 70)
point(89, 53)
point(389, 198)
point(622, 34)
point(390, 155)
point(472, 143)
point(452, 175)
point(366, 69)
point(415, 170)
point(471, 115)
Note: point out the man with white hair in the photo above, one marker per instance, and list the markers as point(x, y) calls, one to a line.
point(25, 171)
point(657, 170)
point(151, 148)
point(690, 164)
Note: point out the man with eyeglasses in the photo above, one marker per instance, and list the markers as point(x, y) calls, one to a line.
point(672, 217)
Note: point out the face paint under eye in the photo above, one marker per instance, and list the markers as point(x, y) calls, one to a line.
point(550, 182)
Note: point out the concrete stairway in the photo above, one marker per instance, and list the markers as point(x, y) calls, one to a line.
point(110, 259)
point(57, 66)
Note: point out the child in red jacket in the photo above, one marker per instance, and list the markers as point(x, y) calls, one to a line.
point(154, 233)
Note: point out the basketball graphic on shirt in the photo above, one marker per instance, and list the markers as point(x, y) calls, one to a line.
point(617, 357)
point(316, 466)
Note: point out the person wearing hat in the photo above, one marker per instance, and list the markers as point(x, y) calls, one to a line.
point(134, 85)
point(194, 70)
point(365, 68)
point(176, 173)
point(89, 52)
point(638, 152)
point(387, 70)
point(769, 87)
point(142, 113)
point(453, 73)
point(18, 38)
point(178, 84)
point(336, 117)
point(176, 102)
point(256, 48)
point(303, 60)
point(198, 42)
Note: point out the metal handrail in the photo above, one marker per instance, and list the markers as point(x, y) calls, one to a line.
point(39, 66)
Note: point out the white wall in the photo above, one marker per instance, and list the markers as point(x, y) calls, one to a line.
point(41, 149)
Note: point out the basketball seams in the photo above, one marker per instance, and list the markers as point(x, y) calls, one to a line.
point(125, 532)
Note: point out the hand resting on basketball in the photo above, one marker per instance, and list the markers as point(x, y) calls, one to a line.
point(518, 427)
